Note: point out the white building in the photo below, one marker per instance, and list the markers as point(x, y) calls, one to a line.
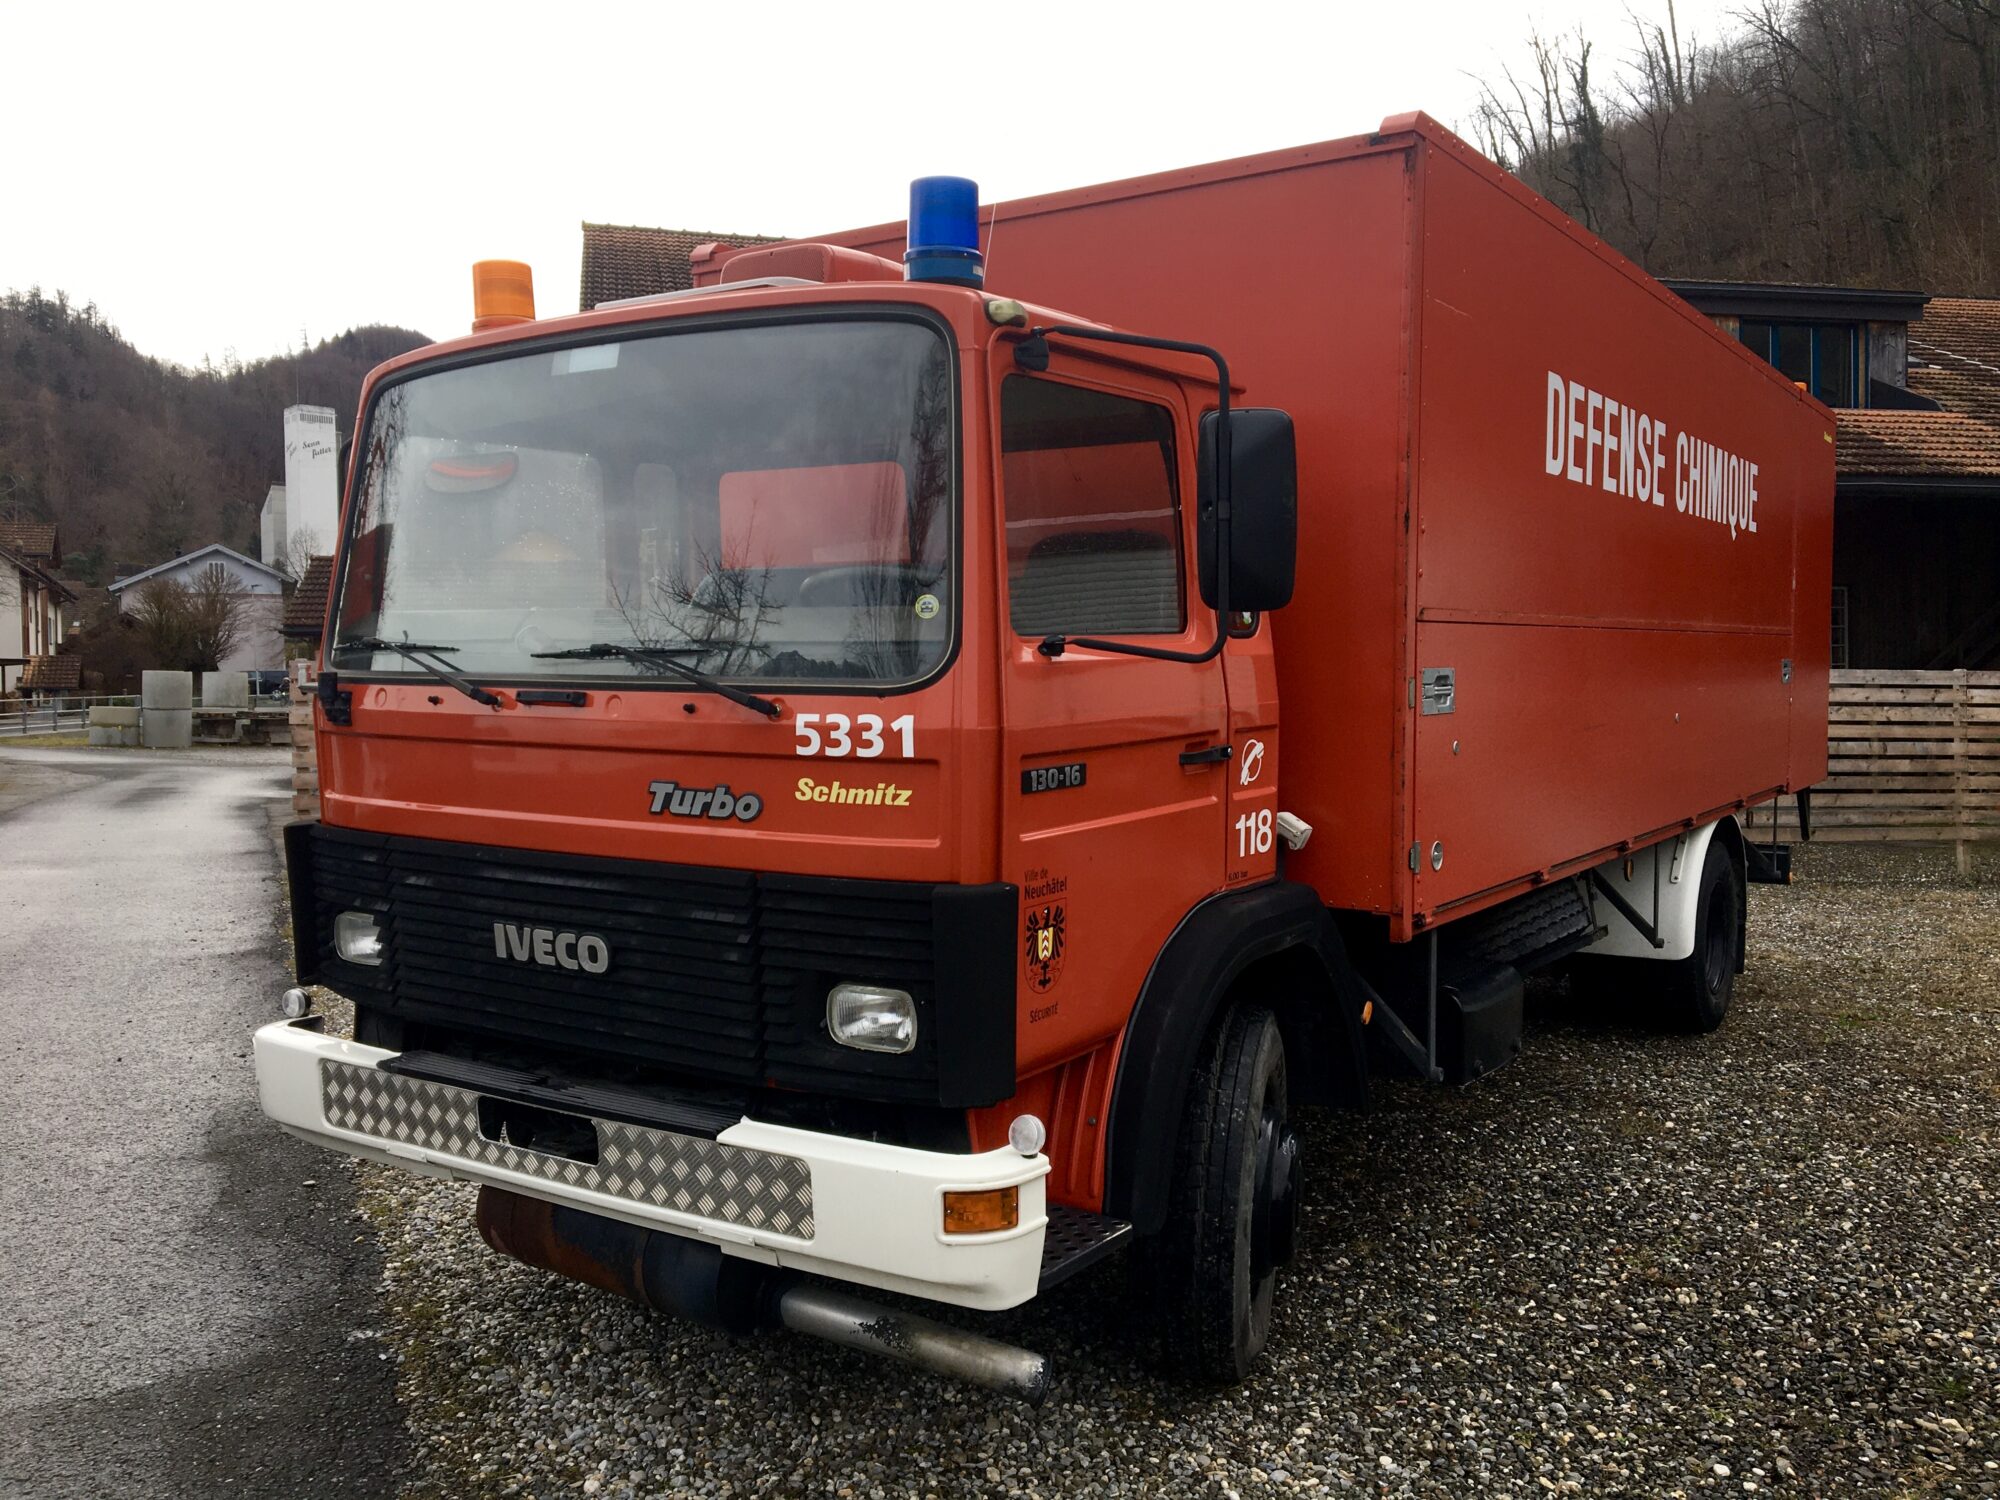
point(31, 600)
point(259, 648)
point(312, 480)
point(271, 535)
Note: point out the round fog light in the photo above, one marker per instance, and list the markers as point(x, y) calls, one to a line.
point(295, 1003)
point(1027, 1135)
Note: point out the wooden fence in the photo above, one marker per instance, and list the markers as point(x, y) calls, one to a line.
point(1912, 757)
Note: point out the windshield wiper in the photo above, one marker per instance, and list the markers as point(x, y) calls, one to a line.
point(664, 656)
point(408, 651)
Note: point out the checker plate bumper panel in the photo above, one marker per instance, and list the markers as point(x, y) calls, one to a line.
point(683, 1173)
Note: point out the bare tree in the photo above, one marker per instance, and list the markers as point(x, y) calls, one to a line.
point(193, 626)
point(1840, 140)
point(161, 614)
point(300, 548)
point(217, 613)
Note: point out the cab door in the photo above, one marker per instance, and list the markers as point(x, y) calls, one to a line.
point(1116, 769)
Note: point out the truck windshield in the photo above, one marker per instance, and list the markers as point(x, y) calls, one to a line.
point(768, 502)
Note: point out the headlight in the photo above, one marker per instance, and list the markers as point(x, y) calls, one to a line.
point(356, 938)
point(871, 1018)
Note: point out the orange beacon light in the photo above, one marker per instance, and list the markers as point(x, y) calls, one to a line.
point(503, 292)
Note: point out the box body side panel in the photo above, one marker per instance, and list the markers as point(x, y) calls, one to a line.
point(1614, 587)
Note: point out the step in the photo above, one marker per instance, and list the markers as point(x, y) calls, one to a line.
point(1077, 1238)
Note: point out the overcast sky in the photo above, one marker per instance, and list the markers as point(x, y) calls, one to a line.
point(221, 179)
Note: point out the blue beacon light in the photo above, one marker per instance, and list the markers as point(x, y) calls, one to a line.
point(944, 232)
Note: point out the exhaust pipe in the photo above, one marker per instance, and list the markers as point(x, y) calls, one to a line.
point(833, 1315)
point(691, 1279)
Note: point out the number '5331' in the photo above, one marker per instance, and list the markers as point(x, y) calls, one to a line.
point(859, 735)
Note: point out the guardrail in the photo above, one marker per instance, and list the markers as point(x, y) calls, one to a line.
point(70, 713)
point(18, 723)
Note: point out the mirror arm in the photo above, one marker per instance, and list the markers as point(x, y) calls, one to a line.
point(1033, 353)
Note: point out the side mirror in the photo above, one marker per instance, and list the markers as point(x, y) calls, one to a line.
point(1264, 508)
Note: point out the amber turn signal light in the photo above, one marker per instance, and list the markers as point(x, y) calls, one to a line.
point(982, 1212)
point(503, 292)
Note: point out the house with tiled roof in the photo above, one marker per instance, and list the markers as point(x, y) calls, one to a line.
point(61, 673)
point(628, 260)
point(305, 607)
point(32, 599)
point(1915, 383)
point(260, 589)
point(37, 541)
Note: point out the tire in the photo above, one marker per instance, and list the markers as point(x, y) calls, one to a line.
point(1233, 1213)
point(1694, 991)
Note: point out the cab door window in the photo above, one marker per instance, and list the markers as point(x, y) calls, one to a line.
point(1092, 512)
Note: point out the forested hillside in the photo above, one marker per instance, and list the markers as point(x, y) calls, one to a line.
point(139, 460)
point(1853, 141)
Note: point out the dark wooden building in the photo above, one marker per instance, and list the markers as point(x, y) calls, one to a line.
point(1916, 383)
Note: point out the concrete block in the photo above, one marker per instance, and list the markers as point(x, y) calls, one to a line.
point(166, 690)
point(225, 690)
point(167, 728)
point(114, 736)
point(107, 716)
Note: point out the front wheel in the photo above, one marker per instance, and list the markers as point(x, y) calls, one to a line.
point(1233, 1217)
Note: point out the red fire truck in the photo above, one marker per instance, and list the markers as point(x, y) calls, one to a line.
point(904, 766)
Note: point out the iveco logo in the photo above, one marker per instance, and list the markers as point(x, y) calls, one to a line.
point(551, 949)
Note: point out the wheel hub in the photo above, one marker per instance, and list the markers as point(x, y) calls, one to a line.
point(1274, 1229)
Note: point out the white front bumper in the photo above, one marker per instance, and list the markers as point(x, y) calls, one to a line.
point(856, 1211)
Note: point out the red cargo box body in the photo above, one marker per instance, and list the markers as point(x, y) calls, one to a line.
point(1460, 358)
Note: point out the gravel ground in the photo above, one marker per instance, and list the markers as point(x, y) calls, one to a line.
point(1628, 1264)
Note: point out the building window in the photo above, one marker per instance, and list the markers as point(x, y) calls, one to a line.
point(1838, 659)
point(1823, 357)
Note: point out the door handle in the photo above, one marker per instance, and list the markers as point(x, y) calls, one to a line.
point(1214, 755)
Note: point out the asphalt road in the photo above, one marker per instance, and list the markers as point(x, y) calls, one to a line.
point(186, 1297)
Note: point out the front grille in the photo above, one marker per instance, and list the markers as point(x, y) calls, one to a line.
point(716, 975)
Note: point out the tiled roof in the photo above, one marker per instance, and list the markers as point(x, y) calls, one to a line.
point(1954, 361)
point(626, 260)
point(1955, 354)
point(52, 674)
point(1917, 443)
point(305, 611)
point(31, 539)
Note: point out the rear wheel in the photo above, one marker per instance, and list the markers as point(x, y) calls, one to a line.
point(1233, 1218)
point(1694, 991)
